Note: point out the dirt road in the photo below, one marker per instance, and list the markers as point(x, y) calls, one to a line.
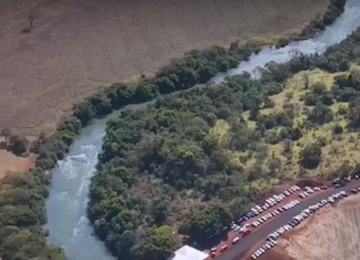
point(239, 251)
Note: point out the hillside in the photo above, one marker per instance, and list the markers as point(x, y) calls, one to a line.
point(196, 159)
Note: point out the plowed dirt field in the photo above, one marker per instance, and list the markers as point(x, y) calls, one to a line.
point(332, 233)
point(78, 46)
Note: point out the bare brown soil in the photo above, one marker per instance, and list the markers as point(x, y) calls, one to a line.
point(276, 254)
point(332, 233)
point(11, 163)
point(78, 46)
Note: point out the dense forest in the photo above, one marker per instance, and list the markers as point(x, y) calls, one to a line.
point(190, 168)
point(22, 216)
point(194, 160)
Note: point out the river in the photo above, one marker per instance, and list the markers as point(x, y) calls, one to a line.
point(66, 206)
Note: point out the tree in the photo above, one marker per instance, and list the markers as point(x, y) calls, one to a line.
point(310, 156)
point(354, 113)
point(205, 73)
point(338, 129)
point(18, 145)
point(319, 88)
point(320, 114)
point(165, 85)
point(159, 244)
point(6, 132)
point(205, 221)
point(160, 210)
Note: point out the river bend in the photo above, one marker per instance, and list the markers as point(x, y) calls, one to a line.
point(66, 206)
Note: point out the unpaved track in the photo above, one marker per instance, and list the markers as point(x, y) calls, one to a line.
point(78, 46)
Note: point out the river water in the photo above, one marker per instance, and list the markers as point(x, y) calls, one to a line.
point(66, 206)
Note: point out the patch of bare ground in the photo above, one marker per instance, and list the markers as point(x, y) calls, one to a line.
point(77, 47)
point(11, 163)
point(332, 233)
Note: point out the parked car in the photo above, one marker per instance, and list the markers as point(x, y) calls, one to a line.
point(223, 248)
point(246, 232)
point(235, 240)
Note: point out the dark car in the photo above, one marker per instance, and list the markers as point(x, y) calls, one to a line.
point(335, 181)
point(354, 191)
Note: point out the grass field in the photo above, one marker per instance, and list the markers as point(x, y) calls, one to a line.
point(337, 150)
point(77, 47)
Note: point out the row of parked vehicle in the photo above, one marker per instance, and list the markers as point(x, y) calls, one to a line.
point(296, 220)
point(272, 201)
point(244, 230)
point(308, 191)
point(276, 212)
point(256, 210)
point(340, 182)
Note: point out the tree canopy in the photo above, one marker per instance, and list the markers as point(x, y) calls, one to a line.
point(167, 163)
point(198, 158)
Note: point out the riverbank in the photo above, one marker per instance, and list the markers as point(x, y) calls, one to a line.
point(201, 158)
point(84, 46)
point(87, 149)
point(56, 147)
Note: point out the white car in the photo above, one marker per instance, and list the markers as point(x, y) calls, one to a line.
point(235, 240)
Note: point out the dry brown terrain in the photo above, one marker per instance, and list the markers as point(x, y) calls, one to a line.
point(78, 46)
point(332, 234)
point(11, 163)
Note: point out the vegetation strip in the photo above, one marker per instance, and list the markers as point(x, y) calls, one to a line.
point(22, 198)
point(198, 159)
